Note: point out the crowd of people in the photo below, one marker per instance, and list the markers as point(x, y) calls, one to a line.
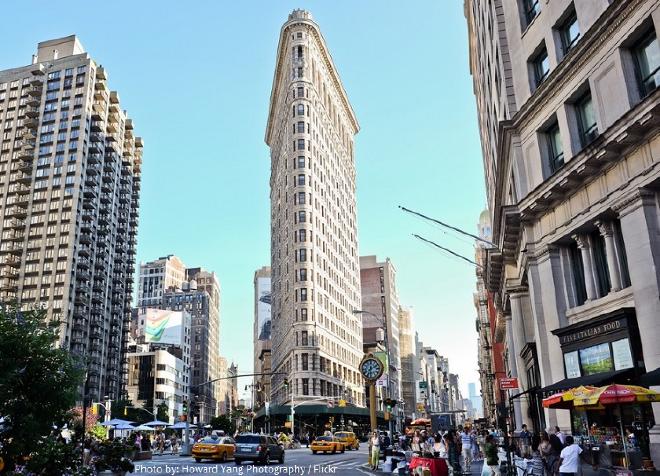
point(548, 453)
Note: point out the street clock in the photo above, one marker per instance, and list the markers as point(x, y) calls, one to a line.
point(371, 368)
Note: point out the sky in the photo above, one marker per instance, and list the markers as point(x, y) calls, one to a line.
point(195, 77)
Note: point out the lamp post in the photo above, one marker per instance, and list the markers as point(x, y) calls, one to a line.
point(381, 320)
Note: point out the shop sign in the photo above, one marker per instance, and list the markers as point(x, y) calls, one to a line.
point(508, 383)
point(592, 331)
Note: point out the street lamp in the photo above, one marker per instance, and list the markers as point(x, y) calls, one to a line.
point(381, 320)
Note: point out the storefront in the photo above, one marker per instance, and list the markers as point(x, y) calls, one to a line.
point(598, 352)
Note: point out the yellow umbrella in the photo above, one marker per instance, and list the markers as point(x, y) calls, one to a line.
point(567, 398)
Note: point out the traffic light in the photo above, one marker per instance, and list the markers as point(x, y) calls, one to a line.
point(95, 410)
point(125, 411)
point(286, 382)
point(185, 406)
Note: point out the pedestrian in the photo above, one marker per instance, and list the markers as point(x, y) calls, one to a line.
point(453, 451)
point(439, 447)
point(569, 458)
point(416, 442)
point(535, 466)
point(173, 443)
point(490, 453)
point(552, 458)
point(374, 443)
point(525, 442)
point(466, 450)
point(560, 435)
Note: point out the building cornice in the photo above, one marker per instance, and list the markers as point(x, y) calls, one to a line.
point(313, 29)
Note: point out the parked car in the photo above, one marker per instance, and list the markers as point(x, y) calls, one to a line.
point(213, 447)
point(257, 448)
point(327, 444)
point(349, 439)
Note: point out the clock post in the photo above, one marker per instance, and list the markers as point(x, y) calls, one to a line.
point(371, 369)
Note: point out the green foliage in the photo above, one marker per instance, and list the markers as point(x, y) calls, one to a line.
point(54, 458)
point(222, 422)
point(113, 455)
point(99, 431)
point(38, 382)
point(161, 412)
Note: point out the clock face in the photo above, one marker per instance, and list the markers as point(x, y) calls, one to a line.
point(371, 368)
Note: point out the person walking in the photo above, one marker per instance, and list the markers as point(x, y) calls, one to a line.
point(374, 443)
point(525, 442)
point(552, 458)
point(466, 449)
point(569, 458)
point(416, 442)
point(490, 453)
point(560, 435)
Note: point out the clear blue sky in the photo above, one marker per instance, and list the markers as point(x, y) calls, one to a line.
point(196, 76)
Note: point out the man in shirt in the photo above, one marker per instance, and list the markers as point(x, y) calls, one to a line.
point(569, 458)
point(525, 442)
point(466, 444)
point(560, 435)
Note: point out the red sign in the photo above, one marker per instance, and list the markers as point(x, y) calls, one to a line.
point(508, 383)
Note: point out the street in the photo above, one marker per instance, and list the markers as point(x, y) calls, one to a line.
point(299, 462)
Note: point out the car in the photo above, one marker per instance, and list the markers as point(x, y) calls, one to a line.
point(258, 449)
point(327, 444)
point(219, 448)
point(349, 439)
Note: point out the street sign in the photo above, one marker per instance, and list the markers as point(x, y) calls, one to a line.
point(423, 384)
point(287, 424)
point(342, 403)
point(508, 383)
point(331, 404)
point(420, 408)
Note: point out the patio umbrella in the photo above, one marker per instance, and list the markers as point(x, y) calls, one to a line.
point(566, 398)
point(182, 426)
point(124, 426)
point(157, 423)
point(115, 422)
point(616, 394)
point(144, 428)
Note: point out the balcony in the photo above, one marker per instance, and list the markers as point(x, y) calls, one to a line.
point(91, 181)
point(33, 101)
point(15, 249)
point(83, 263)
point(17, 236)
point(11, 261)
point(25, 165)
point(8, 284)
point(94, 159)
point(23, 177)
point(86, 238)
point(101, 94)
point(34, 89)
point(16, 223)
point(31, 122)
point(19, 189)
point(32, 111)
point(96, 126)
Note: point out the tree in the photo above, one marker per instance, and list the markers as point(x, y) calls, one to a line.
point(162, 412)
point(38, 381)
point(222, 422)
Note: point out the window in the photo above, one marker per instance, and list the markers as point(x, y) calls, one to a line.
point(302, 254)
point(596, 359)
point(647, 64)
point(304, 360)
point(586, 119)
point(303, 294)
point(305, 386)
point(302, 216)
point(301, 127)
point(541, 65)
point(555, 152)
point(569, 33)
point(302, 236)
point(531, 9)
point(602, 272)
point(301, 162)
point(303, 315)
point(303, 274)
point(301, 198)
point(301, 109)
point(301, 144)
point(301, 179)
point(577, 270)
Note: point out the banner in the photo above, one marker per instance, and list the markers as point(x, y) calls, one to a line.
point(263, 308)
point(163, 326)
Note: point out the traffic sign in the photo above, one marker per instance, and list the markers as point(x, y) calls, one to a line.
point(342, 403)
point(508, 383)
point(331, 404)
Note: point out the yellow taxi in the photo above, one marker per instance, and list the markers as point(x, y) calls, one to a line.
point(349, 439)
point(218, 448)
point(327, 444)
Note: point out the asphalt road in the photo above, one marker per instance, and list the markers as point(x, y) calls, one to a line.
point(300, 462)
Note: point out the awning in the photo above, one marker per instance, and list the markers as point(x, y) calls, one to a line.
point(604, 378)
point(650, 379)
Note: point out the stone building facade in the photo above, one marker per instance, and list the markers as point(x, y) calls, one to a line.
point(568, 111)
point(70, 168)
point(316, 337)
point(380, 306)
